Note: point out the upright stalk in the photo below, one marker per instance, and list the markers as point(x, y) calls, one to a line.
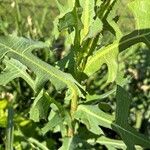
point(10, 126)
point(73, 108)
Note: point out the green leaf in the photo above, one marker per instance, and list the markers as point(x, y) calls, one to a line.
point(111, 143)
point(67, 62)
point(93, 117)
point(95, 28)
point(87, 16)
point(37, 143)
point(106, 55)
point(129, 135)
point(68, 144)
point(40, 108)
point(21, 49)
point(99, 97)
point(53, 122)
point(15, 69)
point(66, 7)
point(63, 9)
point(69, 21)
point(117, 144)
point(109, 54)
point(108, 18)
point(140, 9)
point(91, 26)
point(3, 121)
point(75, 143)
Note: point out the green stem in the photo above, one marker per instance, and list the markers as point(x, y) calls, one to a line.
point(84, 50)
point(10, 128)
point(77, 30)
point(73, 108)
point(18, 17)
point(91, 49)
point(74, 105)
point(37, 143)
point(45, 11)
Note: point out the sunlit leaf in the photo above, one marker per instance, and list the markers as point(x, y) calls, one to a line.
point(21, 50)
point(93, 117)
point(91, 26)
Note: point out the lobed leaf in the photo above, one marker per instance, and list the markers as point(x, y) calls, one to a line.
point(91, 26)
point(63, 9)
point(40, 108)
point(93, 117)
point(15, 69)
point(121, 122)
point(113, 144)
point(109, 54)
point(21, 49)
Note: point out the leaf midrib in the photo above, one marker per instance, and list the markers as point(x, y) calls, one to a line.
point(112, 123)
point(72, 87)
point(93, 114)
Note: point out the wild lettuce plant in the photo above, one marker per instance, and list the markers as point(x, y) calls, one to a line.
point(83, 23)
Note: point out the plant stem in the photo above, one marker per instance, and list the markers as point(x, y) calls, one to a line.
point(10, 128)
point(92, 46)
point(18, 18)
point(77, 29)
point(36, 142)
point(74, 105)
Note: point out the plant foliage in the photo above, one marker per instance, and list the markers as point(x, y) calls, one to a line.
point(84, 24)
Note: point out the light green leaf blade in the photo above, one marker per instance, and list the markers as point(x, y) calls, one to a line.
point(93, 117)
point(40, 108)
point(37, 143)
point(111, 143)
point(63, 9)
point(91, 26)
point(140, 9)
point(94, 28)
point(114, 143)
point(53, 122)
point(107, 55)
point(87, 16)
point(68, 144)
point(15, 69)
point(21, 50)
point(110, 14)
point(111, 52)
